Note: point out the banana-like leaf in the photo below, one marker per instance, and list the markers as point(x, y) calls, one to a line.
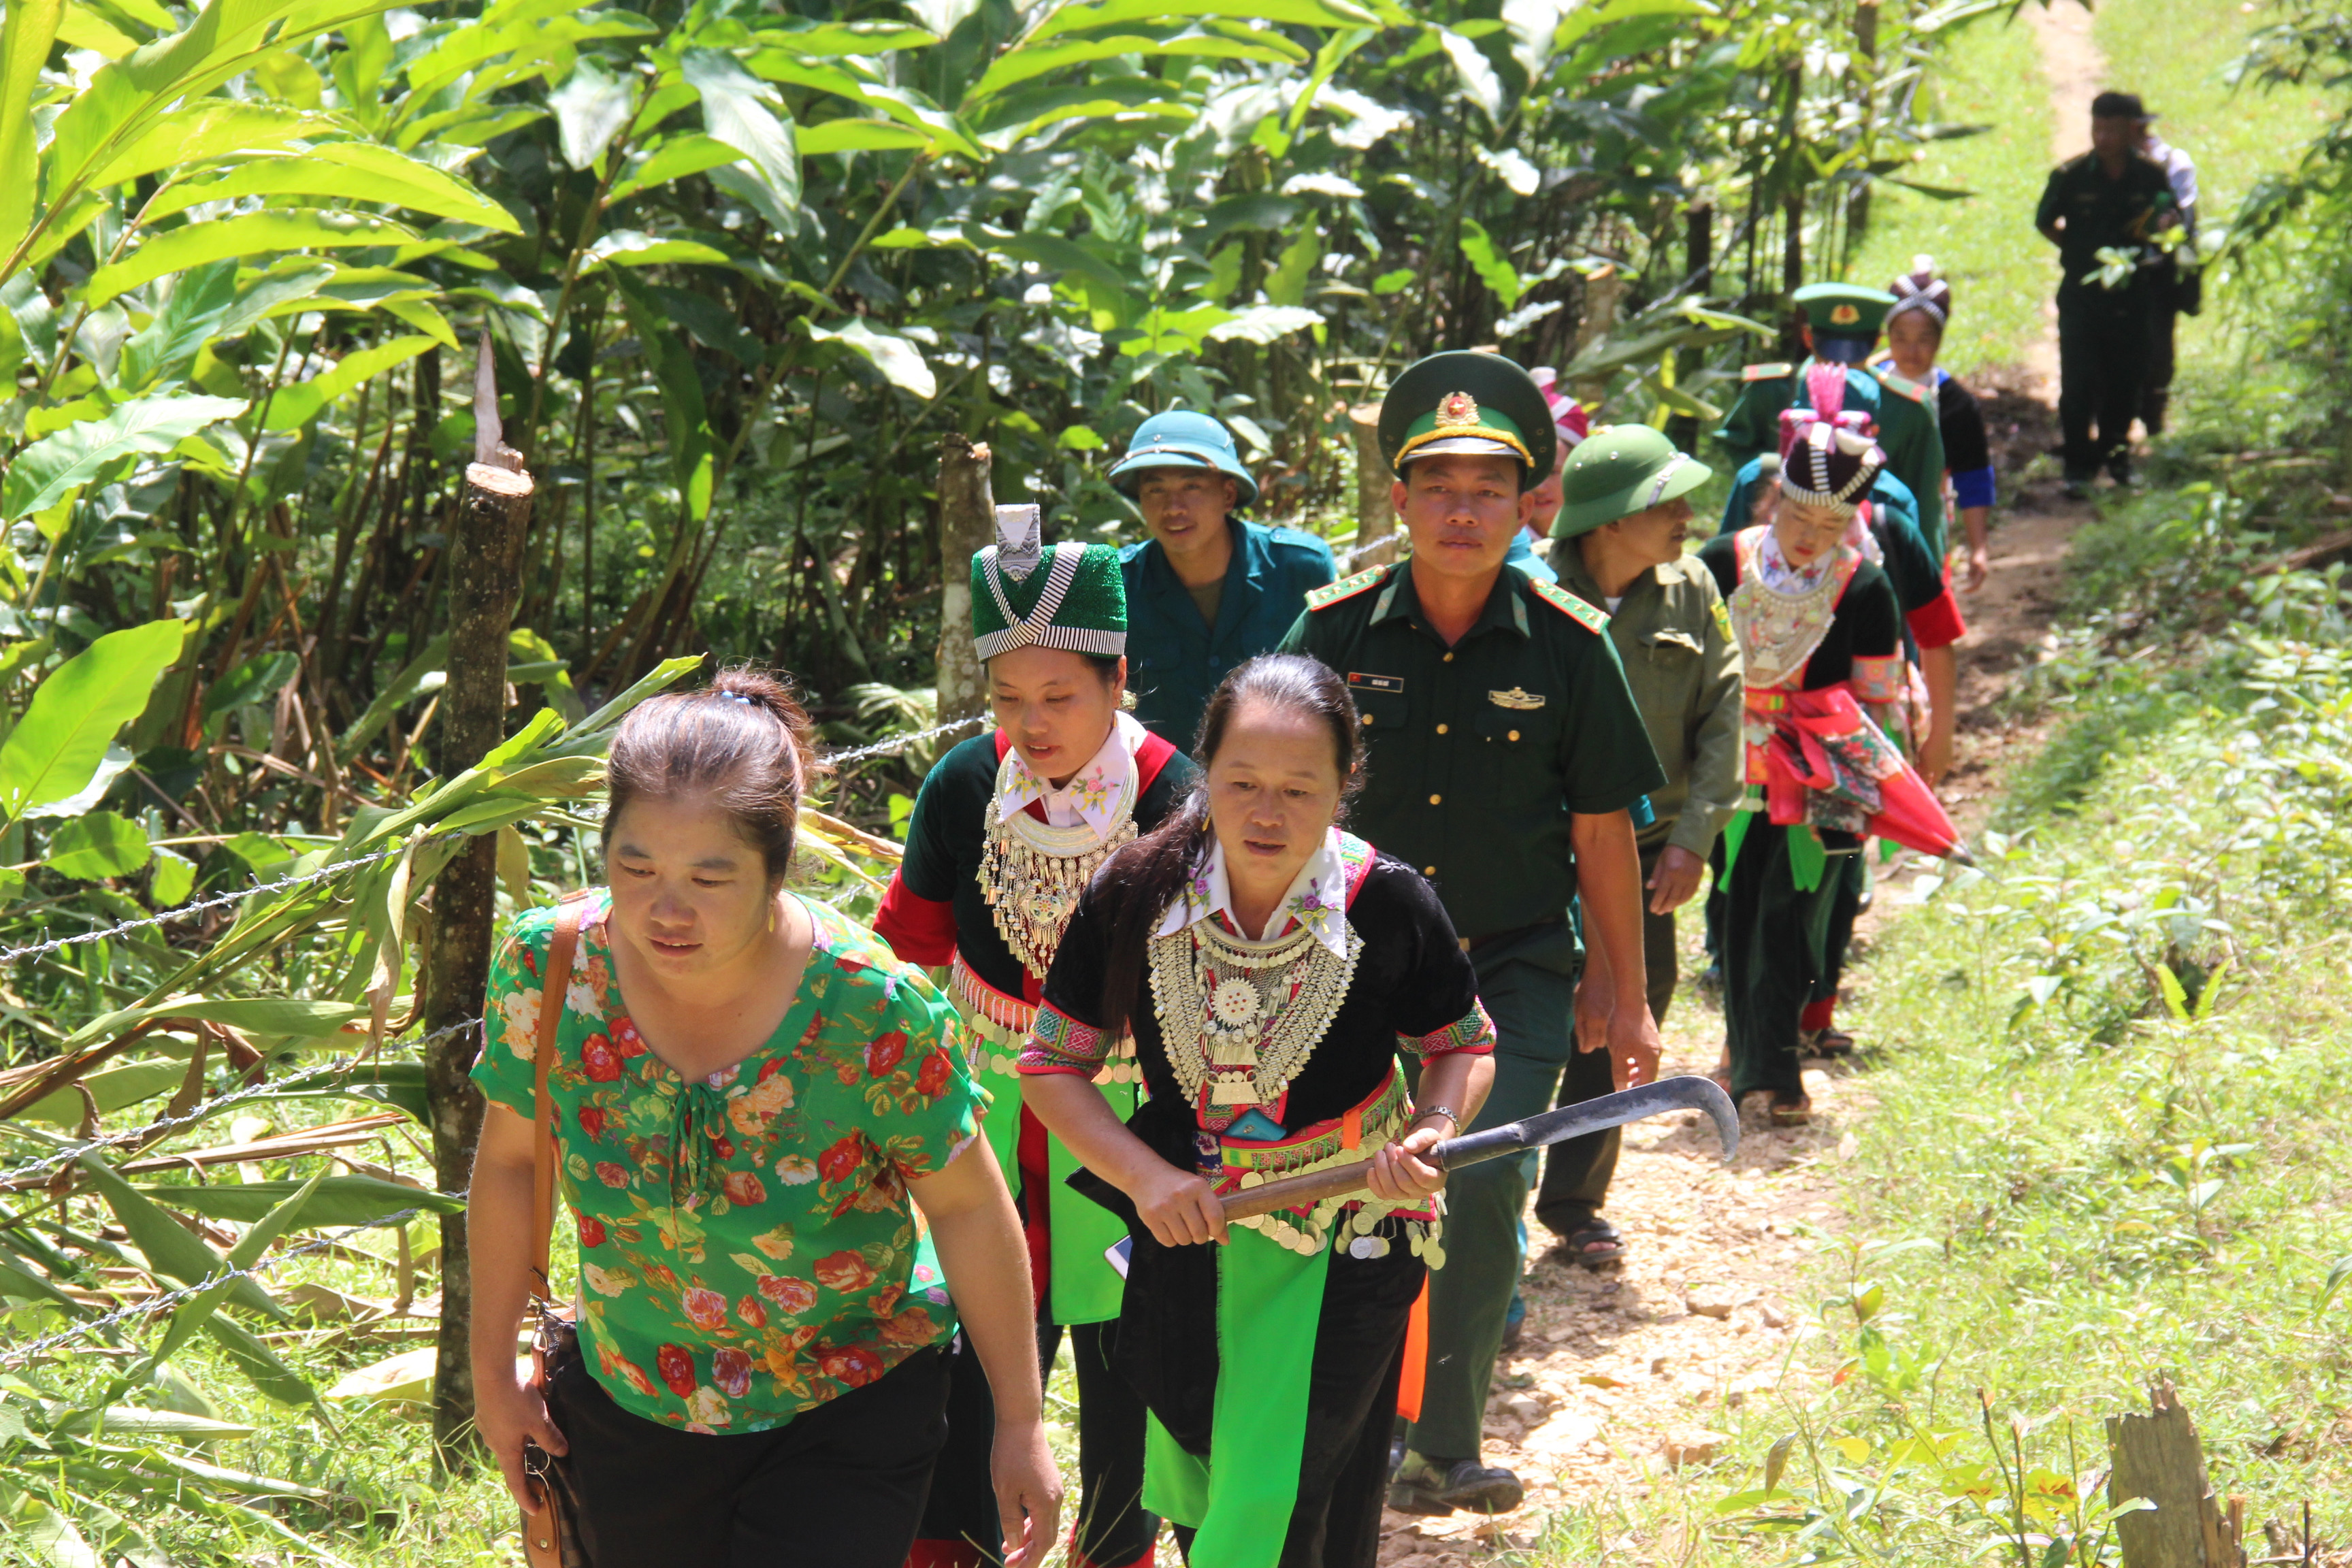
point(353, 171)
point(63, 737)
point(900, 361)
point(186, 138)
point(51, 468)
point(27, 28)
point(170, 1249)
point(112, 1087)
point(247, 234)
point(295, 405)
point(1030, 60)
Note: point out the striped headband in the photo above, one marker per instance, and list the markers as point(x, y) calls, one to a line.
point(1808, 468)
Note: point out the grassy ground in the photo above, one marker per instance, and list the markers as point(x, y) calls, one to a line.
point(1989, 75)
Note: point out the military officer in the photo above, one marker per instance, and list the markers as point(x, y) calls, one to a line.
point(1842, 326)
point(1504, 751)
point(1207, 590)
point(1617, 543)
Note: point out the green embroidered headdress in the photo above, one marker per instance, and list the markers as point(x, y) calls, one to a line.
point(1070, 597)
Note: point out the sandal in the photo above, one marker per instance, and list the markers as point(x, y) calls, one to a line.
point(1791, 1110)
point(1591, 1243)
point(1828, 1042)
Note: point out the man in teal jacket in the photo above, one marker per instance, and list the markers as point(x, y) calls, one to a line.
point(1207, 590)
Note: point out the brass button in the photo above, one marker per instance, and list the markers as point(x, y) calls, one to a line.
point(1367, 718)
point(1429, 870)
point(1435, 799)
point(1514, 734)
point(1441, 729)
point(1448, 659)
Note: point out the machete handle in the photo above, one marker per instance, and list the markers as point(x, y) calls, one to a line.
point(1297, 1192)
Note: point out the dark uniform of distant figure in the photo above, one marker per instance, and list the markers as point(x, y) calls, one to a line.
point(2112, 198)
point(1842, 326)
point(1502, 762)
point(1183, 635)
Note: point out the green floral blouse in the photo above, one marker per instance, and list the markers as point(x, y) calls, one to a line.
point(746, 1247)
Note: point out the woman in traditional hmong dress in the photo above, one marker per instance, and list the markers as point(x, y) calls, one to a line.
point(1820, 635)
point(1272, 970)
point(1006, 832)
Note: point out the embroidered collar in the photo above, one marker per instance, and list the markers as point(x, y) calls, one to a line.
point(1099, 794)
point(1317, 902)
point(1780, 575)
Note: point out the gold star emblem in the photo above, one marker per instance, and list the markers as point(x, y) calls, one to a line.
point(1456, 409)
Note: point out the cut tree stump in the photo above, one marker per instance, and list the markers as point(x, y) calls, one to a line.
point(2157, 1457)
point(1375, 512)
point(485, 567)
point(967, 526)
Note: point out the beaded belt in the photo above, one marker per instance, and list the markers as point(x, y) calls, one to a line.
point(1000, 1026)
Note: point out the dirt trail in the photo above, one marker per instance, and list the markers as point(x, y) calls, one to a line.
point(1624, 1374)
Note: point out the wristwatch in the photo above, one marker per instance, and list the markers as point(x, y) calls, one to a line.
point(1444, 1111)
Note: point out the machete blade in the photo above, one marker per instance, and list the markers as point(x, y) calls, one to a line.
point(1687, 1093)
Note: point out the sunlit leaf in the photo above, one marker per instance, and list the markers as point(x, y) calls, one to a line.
point(356, 171)
point(900, 361)
point(76, 711)
point(101, 844)
point(736, 111)
point(592, 107)
point(298, 404)
point(249, 234)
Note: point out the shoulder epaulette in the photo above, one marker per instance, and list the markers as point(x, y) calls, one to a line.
point(1330, 594)
point(1590, 617)
point(1915, 391)
point(1777, 372)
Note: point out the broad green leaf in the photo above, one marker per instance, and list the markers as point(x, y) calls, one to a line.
point(425, 318)
point(171, 1249)
point(102, 844)
point(679, 157)
point(27, 28)
point(295, 405)
point(1264, 324)
point(83, 28)
point(27, 1286)
point(356, 171)
point(1495, 269)
point(1066, 256)
point(830, 39)
point(1479, 81)
point(75, 712)
point(175, 878)
point(113, 1089)
point(1295, 13)
point(209, 129)
point(900, 361)
point(854, 135)
point(592, 107)
point(737, 111)
point(682, 409)
point(258, 679)
point(249, 234)
point(1021, 64)
point(338, 1201)
point(633, 248)
point(206, 306)
point(50, 469)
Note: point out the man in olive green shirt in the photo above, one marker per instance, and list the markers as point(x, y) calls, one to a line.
point(1617, 543)
point(1504, 751)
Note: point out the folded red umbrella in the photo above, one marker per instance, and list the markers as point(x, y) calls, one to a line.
point(1826, 745)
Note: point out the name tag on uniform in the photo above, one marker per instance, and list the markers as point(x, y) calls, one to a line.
point(1359, 682)
point(1518, 699)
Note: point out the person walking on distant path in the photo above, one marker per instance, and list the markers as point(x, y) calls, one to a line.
point(2180, 291)
point(2105, 211)
point(1207, 590)
point(1914, 335)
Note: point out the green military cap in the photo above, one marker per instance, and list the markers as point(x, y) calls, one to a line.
point(1070, 597)
point(1617, 470)
point(1469, 402)
point(1843, 309)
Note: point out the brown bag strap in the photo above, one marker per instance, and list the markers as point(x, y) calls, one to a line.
point(553, 981)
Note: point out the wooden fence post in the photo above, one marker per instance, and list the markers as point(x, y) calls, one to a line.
point(2157, 1457)
point(1376, 518)
point(485, 566)
point(967, 525)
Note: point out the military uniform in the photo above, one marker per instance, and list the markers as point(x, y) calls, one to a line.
point(1176, 657)
point(2103, 332)
point(1478, 754)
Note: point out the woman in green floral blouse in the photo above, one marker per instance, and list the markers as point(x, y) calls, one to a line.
point(751, 1096)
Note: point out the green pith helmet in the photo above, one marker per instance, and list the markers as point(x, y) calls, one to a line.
point(1843, 309)
point(1181, 439)
point(1470, 402)
point(1070, 597)
point(1617, 470)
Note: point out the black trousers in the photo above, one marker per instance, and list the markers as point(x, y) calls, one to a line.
point(1351, 1392)
point(1852, 874)
point(2102, 349)
point(960, 1521)
point(1576, 1175)
point(1774, 937)
point(839, 1487)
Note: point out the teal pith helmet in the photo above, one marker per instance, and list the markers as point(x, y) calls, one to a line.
point(1181, 439)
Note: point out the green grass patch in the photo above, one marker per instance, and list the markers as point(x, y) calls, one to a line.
point(1988, 73)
